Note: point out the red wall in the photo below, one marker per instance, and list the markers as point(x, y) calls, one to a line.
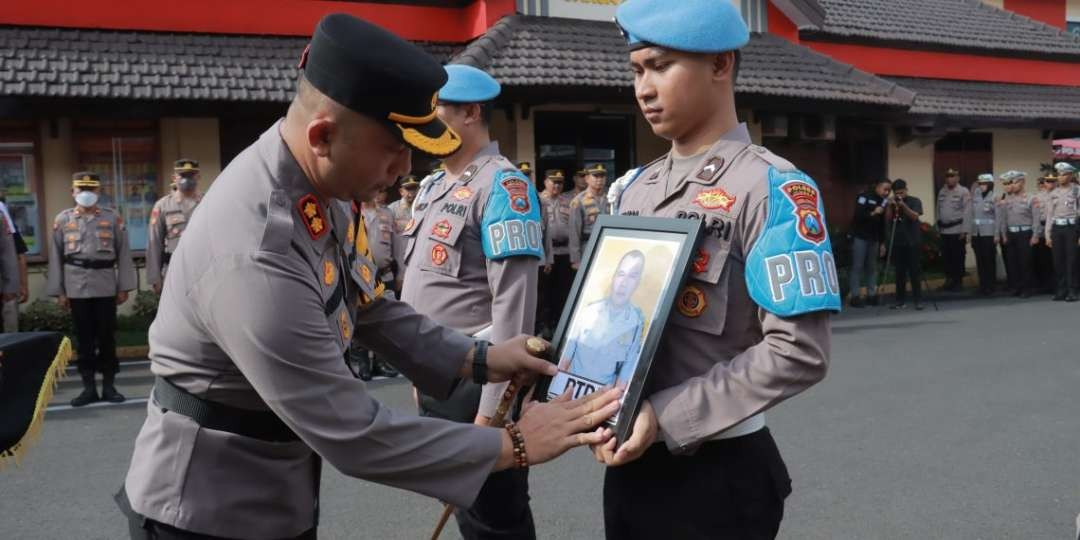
point(780, 25)
point(1051, 12)
point(274, 17)
point(940, 65)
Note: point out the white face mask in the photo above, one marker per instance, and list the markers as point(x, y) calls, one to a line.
point(186, 183)
point(86, 199)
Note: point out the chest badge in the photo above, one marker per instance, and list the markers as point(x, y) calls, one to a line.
point(805, 199)
point(438, 255)
point(517, 190)
point(711, 168)
point(701, 262)
point(328, 272)
point(346, 325)
point(442, 229)
point(365, 273)
point(715, 199)
point(692, 301)
point(350, 235)
point(462, 193)
point(312, 214)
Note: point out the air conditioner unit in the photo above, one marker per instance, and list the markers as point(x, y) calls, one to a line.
point(818, 128)
point(774, 125)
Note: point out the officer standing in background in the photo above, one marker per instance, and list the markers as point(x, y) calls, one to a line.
point(557, 276)
point(581, 183)
point(249, 344)
point(402, 208)
point(700, 462)
point(953, 218)
point(526, 168)
point(1062, 217)
point(11, 304)
point(1019, 226)
point(385, 253)
point(984, 233)
point(1042, 255)
point(586, 207)
point(169, 218)
point(472, 256)
point(91, 272)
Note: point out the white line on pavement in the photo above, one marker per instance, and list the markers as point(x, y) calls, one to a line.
point(96, 405)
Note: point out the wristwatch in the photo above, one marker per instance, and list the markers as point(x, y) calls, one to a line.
point(479, 363)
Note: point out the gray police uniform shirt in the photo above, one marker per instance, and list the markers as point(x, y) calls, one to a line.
point(556, 211)
point(723, 358)
point(953, 210)
point(984, 214)
point(584, 210)
point(1064, 207)
point(402, 214)
point(168, 220)
point(98, 235)
point(1041, 203)
point(9, 260)
point(451, 277)
point(382, 239)
point(249, 320)
point(1018, 213)
point(605, 342)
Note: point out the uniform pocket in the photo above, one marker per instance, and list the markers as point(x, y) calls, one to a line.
point(72, 243)
point(105, 241)
point(702, 303)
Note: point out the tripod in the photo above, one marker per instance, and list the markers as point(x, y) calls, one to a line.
point(888, 260)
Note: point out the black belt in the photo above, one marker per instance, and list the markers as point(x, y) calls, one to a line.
point(559, 243)
point(262, 425)
point(947, 224)
point(92, 265)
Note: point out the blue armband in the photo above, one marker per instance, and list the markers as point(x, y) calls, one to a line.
point(511, 223)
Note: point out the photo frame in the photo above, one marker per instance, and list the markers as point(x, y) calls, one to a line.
point(631, 272)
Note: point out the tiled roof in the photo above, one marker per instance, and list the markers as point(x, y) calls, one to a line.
point(993, 102)
point(522, 51)
point(945, 24)
point(53, 62)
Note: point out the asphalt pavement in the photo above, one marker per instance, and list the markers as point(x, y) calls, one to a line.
point(960, 423)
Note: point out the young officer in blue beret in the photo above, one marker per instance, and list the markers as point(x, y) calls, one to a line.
point(751, 326)
point(472, 254)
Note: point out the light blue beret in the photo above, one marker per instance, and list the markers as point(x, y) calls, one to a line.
point(699, 26)
point(466, 84)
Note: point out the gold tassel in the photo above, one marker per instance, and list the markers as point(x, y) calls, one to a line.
point(56, 371)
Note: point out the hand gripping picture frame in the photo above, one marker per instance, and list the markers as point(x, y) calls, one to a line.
point(631, 272)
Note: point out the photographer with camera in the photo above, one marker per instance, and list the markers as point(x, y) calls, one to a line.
point(902, 213)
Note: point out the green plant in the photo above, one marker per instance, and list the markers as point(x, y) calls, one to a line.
point(146, 305)
point(45, 316)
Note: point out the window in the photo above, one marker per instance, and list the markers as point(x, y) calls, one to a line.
point(126, 156)
point(17, 173)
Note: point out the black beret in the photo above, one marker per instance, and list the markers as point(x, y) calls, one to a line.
point(375, 73)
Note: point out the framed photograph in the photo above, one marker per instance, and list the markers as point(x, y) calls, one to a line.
point(630, 274)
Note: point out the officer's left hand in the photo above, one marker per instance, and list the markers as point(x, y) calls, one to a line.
point(121, 297)
point(641, 438)
point(1034, 240)
point(511, 359)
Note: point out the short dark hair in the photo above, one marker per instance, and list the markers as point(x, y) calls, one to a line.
point(899, 184)
point(487, 108)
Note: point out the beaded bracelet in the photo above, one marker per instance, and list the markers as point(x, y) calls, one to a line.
point(521, 459)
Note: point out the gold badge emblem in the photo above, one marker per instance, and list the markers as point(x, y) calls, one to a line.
point(328, 272)
point(692, 301)
point(312, 214)
point(365, 273)
point(346, 325)
point(350, 236)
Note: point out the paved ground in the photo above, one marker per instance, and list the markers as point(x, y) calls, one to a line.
point(960, 423)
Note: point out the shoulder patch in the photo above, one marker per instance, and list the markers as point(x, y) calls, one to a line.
point(311, 213)
point(791, 269)
point(511, 223)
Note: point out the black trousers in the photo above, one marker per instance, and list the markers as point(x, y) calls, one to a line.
point(1018, 260)
point(160, 531)
point(908, 267)
point(1043, 263)
point(554, 289)
point(95, 330)
point(985, 261)
point(953, 253)
point(1065, 271)
point(734, 488)
point(501, 510)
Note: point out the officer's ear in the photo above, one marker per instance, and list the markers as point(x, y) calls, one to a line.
point(724, 65)
point(320, 132)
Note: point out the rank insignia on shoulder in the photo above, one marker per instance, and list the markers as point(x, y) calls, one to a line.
point(312, 215)
point(154, 215)
point(350, 235)
point(346, 325)
point(329, 272)
point(715, 199)
point(692, 301)
point(365, 273)
point(701, 261)
point(462, 193)
point(469, 172)
point(711, 168)
point(442, 229)
point(438, 255)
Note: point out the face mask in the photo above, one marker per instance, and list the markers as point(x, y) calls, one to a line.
point(86, 199)
point(186, 183)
